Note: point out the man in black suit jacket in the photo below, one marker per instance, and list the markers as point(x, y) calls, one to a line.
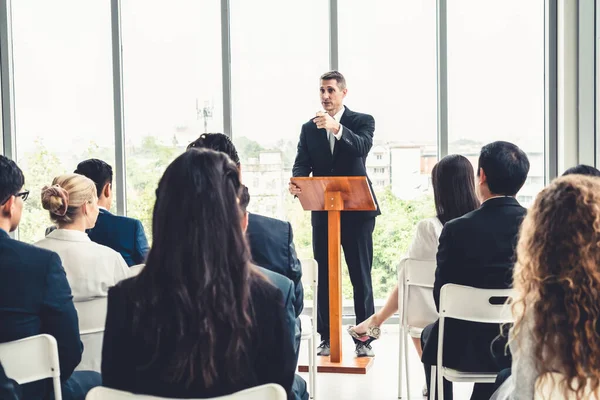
point(123, 234)
point(478, 250)
point(336, 143)
point(35, 296)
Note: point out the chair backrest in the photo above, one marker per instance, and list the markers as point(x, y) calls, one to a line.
point(417, 305)
point(473, 304)
point(30, 359)
point(92, 315)
point(310, 272)
point(265, 392)
point(134, 270)
point(550, 386)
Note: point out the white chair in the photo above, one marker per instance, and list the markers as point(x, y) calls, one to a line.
point(416, 279)
point(310, 277)
point(550, 386)
point(263, 392)
point(467, 304)
point(92, 318)
point(136, 269)
point(32, 359)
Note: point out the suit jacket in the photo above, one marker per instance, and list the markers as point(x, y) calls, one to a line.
point(35, 298)
point(272, 246)
point(478, 250)
point(348, 159)
point(122, 234)
point(125, 354)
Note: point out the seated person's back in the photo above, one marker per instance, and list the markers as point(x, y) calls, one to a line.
point(35, 296)
point(122, 234)
point(198, 321)
point(90, 267)
point(478, 249)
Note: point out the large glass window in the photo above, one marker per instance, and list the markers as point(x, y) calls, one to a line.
point(276, 61)
point(387, 53)
point(63, 94)
point(496, 80)
point(172, 88)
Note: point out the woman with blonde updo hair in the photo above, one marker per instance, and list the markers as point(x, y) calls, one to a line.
point(557, 284)
point(90, 267)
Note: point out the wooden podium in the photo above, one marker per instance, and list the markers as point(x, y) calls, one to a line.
point(335, 194)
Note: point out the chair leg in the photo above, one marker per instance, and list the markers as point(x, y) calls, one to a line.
point(432, 383)
point(400, 361)
point(312, 370)
point(406, 364)
point(57, 389)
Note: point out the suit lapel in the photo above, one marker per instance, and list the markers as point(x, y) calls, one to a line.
point(343, 121)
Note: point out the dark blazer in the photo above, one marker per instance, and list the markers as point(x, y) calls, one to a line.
point(35, 298)
point(123, 234)
point(126, 356)
point(9, 389)
point(272, 246)
point(348, 159)
point(478, 250)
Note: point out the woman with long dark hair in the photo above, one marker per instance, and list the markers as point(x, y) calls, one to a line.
point(453, 182)
point(199, 320)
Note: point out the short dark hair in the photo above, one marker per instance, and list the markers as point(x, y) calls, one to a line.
point(98, 171)
point(218, 142)
point(505, 166)
point(11, 179)
point(339, 78)
point(244, 198)
point(582, 169)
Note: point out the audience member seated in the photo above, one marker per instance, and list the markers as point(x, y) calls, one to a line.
point(557, 280)
point(91, 268)
point(122, 234)
point(9, 389)
point(454, 195)
point(478, 250)
point(582, 169)
point(35, 296)
point(271, 240)
point(286, 286)
point(199, 320)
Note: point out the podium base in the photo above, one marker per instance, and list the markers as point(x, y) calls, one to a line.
point(349, 365)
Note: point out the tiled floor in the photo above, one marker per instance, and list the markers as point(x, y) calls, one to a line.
point(381, 382)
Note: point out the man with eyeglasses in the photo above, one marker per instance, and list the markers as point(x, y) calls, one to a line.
point(35, 296)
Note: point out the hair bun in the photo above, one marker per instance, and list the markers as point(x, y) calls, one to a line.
point(55, 199)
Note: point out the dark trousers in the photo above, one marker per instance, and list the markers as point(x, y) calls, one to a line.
point(357, 242)
point(481, 391)
point(79, 384)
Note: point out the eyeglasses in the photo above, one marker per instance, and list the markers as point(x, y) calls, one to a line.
point(24, 195)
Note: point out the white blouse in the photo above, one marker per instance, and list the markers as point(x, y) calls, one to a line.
point(424, 245)
point(90, 267)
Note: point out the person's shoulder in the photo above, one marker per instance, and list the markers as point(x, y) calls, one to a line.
point(264, 220)
point(463, 221)
point(104, 251)
point(121, 219)
point(358, 115)
point(429, 226)
point(31, 251)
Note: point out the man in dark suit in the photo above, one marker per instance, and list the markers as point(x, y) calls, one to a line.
point(478, 250)
point(336, 143)
point(9, 389)
point(122, 234)
point(35, 296)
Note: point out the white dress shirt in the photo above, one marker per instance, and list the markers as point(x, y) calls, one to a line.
point(337, 136)
point(90, 267)
point(423, 247)
point(91, 270)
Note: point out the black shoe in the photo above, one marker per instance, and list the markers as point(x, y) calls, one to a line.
point(364, 350)
point(324, 348)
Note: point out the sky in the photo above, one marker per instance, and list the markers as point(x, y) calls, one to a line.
point(172, 62)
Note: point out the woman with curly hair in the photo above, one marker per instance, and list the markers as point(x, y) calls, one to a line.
point(557, 284)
